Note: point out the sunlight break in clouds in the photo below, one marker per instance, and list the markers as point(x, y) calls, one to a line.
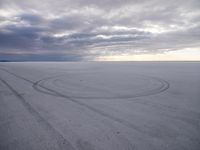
point(181, 55)
point(99, 30)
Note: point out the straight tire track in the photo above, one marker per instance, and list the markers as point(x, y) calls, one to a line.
point(61, 141)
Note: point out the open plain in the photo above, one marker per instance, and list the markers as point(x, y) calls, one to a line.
point(100, 106)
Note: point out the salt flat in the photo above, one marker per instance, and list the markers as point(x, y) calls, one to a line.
point(100, 106)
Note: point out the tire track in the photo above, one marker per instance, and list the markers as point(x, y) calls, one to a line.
point(123, 122)
point(32, 82)
point(63, 144)
point(126, 123)
point(40, 86)
point(20, 77)
point(43, 89)
point(37, 86)
point(164, 86)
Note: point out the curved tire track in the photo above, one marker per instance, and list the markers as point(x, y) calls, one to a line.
point(126, 123)
point(40, 86)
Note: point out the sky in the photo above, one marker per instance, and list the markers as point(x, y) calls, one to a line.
point(99, 30)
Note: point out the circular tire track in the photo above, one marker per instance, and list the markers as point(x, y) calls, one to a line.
point(40, 86)
point(164, 86)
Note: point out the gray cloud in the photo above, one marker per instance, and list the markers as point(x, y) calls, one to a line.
point(88, 28)
point(32, 19)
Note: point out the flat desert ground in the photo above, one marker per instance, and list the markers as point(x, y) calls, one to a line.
point(100, 106)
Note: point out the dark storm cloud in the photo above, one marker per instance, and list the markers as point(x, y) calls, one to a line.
point(18, 39)
point(88, 28)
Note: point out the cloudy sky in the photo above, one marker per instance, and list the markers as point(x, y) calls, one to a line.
point(78, 30)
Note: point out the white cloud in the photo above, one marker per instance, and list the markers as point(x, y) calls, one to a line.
point(89, 28)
